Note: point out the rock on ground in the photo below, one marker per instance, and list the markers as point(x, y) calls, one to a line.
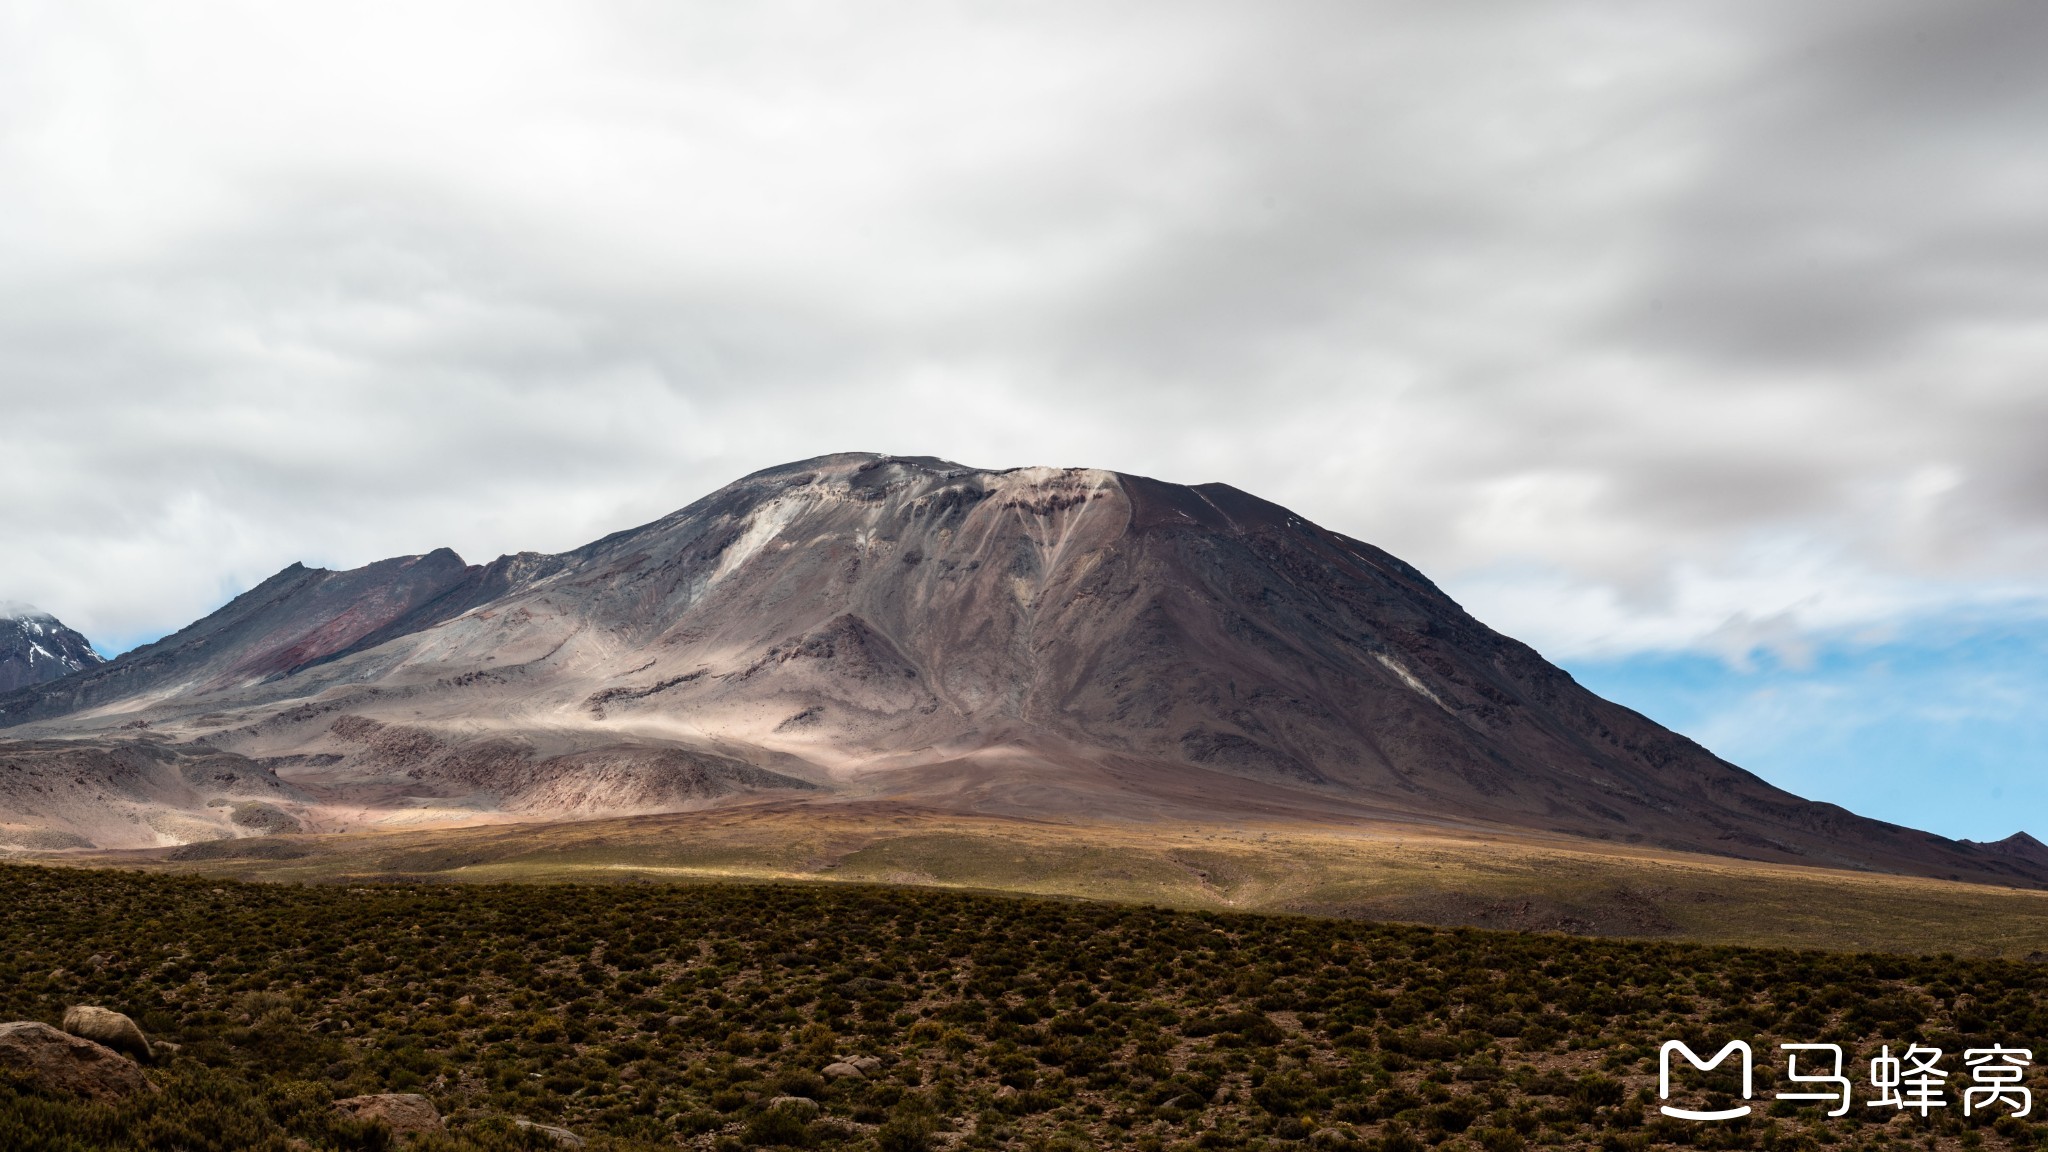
point(108, 1027)
point(62, 1063)
point(561, 1136)
point(841, 1070)
point(405, 1113)
point(800, 1105)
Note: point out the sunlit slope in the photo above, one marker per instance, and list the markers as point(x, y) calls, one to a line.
point(1397, 872)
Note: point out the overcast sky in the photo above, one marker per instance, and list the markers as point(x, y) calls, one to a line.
point(1705, 347)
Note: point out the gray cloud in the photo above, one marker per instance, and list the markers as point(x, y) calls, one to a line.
point(1635, 326)
point(1873, 185)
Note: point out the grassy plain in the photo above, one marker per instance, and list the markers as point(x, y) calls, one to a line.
point(1381, 871)
point(645, 1016)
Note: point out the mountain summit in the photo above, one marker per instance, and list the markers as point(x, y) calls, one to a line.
point(35, 647)
point(1041, 642)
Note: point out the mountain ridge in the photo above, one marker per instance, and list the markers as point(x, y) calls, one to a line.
point(1034, 641)
point(36, 647)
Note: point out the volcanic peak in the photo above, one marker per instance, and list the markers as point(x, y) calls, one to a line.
point(1031, 642)
point(36, 647)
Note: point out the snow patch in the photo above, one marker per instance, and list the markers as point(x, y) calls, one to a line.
point(1409, 679)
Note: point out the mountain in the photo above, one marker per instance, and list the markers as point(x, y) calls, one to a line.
point(2018, 846)
point(35, 647)
point(1039, 643)
point(297, 618)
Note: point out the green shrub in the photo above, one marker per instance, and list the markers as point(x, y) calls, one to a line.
point(646, 1016)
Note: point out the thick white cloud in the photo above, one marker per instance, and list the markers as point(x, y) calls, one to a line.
point(1641, 328)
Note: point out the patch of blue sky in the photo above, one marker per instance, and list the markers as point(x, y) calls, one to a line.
point(1942, 726)
point(119, 644)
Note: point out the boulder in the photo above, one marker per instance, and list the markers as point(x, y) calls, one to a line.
point(799, 1105)
point(58, 1062)
point(842, 1070)
point(561, 1137)
point(1332, 1138)
point(868, 1065)
point(405, 1113)
point(108, 1027)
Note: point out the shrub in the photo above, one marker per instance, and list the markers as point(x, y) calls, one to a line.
point(609, 1010)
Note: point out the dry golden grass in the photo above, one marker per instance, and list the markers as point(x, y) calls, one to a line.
point(1377, 871)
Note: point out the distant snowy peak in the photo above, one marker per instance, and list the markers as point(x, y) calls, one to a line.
point(36, 647)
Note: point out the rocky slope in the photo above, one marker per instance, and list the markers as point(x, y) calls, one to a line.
point(36, 647)
point(134, 792)
point(1048, 643)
